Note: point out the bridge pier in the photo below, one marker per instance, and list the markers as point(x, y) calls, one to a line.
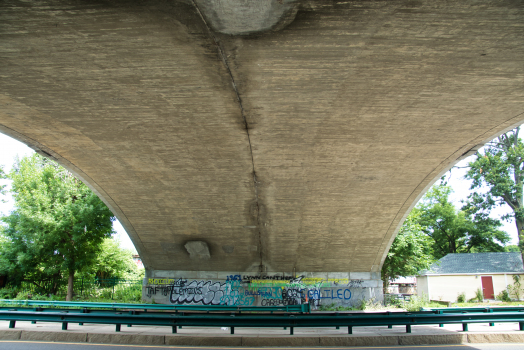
point(346, 289)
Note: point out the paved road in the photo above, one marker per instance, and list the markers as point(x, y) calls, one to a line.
point(25, 345)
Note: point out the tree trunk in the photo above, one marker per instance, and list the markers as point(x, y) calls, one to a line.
point(386, 284)
point(70, 280)
point(520, 231)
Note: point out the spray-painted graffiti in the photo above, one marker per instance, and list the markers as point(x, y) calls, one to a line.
point(156, 281)
point(234, 278)
point(355, 283)
point(248, 279)
point(254, 290)
point(272, 302)
point(266, 292)
point(344, 294)
point(208, 293)
point(155, 289)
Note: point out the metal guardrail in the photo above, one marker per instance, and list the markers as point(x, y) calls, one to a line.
point(304, 308)
point(232, 320)
point(448, 310)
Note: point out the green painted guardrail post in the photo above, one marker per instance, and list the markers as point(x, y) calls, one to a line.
point(117, 327)
point(232, 330)
point(408, 328)
point(12, 324)
point(464, 327)
point(350, 329)
point(64, 326)
point(291, 330)
point(173, 329)
point(521, 326)
point(491, 324)
point(440, 312)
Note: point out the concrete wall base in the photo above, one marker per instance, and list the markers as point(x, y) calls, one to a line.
point(347, 289)
point(259, 341)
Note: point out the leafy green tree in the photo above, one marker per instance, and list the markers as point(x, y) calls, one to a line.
point(512, 248)
point(56, 228)
point(2, 176)
point(410, 252)
point(113, 262)
point(457, 231)
point(500, 167)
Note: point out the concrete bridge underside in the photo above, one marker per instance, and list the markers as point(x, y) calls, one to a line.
point(287, 139)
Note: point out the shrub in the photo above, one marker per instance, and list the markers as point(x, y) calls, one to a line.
point(24, 295)
point(461, 297)
point(416, 303)
point(516, 288)
point(8, 292)
point(503, 296)
point(393, 300)
point(369, 304)
point(479, 295)
point(328, 307)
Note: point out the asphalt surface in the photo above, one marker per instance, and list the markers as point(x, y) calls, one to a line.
point(24, 345)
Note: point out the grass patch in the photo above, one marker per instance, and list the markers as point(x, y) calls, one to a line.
point(511, 303)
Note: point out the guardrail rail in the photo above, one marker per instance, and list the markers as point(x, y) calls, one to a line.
point(234, 319)
point(304, 308)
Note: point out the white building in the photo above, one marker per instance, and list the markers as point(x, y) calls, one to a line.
point(465, 273)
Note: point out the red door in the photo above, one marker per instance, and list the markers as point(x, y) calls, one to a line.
point(487, 287)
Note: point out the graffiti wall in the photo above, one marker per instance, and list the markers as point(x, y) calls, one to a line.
point(246, 290)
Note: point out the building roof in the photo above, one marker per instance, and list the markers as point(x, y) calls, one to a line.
point(477, 263)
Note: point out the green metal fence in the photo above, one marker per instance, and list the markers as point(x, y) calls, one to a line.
point(176, 319)
point(87, 287)
point(28, 304)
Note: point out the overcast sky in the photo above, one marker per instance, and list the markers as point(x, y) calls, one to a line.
point(10, 148)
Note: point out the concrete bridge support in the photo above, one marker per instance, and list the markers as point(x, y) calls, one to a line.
point(261, 138)
point(276, 289)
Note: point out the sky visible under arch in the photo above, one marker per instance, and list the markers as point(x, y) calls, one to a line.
point(10, 148)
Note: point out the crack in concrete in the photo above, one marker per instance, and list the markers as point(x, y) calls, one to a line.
point(246, 126)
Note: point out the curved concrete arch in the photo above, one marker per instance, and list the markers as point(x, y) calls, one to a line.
point(298, 150)
point(47, 152)
point(446, 165)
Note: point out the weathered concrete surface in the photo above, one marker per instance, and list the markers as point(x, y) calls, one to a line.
point(241, 17)
point(359, 341)
point(439, 339)
point(294, 150)
point(54, 336)
point(276, 289)
point(202, 341)
point(10, 335)
point(197, 250)
point(146, 339)
point(495, 338)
